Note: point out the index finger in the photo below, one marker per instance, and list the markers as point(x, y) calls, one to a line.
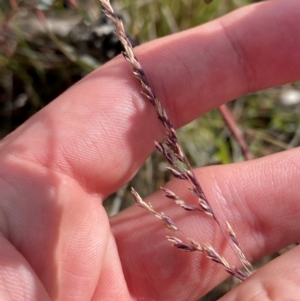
point(100, 131)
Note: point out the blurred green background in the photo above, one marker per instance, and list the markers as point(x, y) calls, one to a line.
point(46, 46)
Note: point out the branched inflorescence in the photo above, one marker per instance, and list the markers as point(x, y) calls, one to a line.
point(179, 167)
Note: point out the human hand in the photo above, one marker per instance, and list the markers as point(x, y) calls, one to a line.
point(57, 242)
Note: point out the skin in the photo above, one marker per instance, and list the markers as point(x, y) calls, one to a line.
point(57, 242)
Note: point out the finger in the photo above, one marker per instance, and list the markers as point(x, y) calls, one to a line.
point(260, 201)
point(18, 280)
point(55, 227)
point(278, 280)
point(101, 130)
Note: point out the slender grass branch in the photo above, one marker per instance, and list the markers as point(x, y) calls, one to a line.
point(179, 167)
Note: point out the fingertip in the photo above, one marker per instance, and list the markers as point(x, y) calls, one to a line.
point(277, 280)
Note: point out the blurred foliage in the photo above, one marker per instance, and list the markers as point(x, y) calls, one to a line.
point(46, 46)
point(151, 18)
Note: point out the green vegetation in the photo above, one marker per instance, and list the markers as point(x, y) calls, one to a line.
point(152, 19)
